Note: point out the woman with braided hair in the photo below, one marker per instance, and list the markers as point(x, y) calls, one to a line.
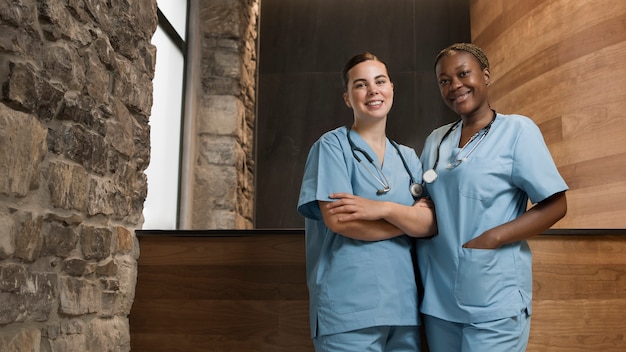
point(480, 172)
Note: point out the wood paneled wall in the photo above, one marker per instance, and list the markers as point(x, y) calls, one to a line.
point(248, 293)
point(561, 63)
point(579, 294)
point(221, 293)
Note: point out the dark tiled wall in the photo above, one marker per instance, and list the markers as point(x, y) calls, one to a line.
point(303, 47)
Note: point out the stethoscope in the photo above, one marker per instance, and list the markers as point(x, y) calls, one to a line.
point(415, 188)
point(430, 175)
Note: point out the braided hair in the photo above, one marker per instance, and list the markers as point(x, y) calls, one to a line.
point(477, 52)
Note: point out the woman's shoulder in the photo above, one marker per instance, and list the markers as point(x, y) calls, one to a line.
point(405, 151)
point(334, 135)
point(518, 125)
point(516, 119)
point(438, 132)
point(446, 127)
point(401, 146)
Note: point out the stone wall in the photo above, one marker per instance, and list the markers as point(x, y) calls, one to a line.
point(222, 179)
point(76, 93)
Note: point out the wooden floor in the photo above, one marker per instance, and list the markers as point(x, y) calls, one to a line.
point(248, 293)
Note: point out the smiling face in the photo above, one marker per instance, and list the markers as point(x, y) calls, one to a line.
point(462, 83)
point(369, 91)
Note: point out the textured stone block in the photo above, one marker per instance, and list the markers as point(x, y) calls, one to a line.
point(22, 150)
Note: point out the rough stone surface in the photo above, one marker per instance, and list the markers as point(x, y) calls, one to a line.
point(223, 175)
point(22, 150)
point(76, 95)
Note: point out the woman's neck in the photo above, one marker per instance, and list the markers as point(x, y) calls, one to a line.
point(476, 122)
point(473, 124)
point(374, 136)
point(373, 133)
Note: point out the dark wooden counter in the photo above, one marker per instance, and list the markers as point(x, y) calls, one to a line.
point(245, 290)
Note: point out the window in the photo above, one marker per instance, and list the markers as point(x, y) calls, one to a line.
point(162, 202)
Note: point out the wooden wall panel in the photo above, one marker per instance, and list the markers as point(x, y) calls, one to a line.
point(579, 294)
point(224, 293)
point(248, 293)
point(560, 63)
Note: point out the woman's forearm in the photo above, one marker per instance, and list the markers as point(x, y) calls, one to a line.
point(533, 222)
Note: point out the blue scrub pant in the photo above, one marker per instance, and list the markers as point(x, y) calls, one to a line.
point(374, 339)
point(504, 335)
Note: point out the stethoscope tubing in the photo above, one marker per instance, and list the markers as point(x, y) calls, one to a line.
point(430, 175)
point(415, 188)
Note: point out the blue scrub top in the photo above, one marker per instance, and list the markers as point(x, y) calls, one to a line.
point(508, 167)
point(356, 284)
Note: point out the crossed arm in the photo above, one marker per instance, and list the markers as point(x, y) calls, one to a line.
point(369, 220)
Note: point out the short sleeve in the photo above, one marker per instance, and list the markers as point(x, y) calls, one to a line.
point(534, 170)
point(325, 172)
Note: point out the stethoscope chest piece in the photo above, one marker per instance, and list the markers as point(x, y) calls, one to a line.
point(416, 189)
point(429, 176)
